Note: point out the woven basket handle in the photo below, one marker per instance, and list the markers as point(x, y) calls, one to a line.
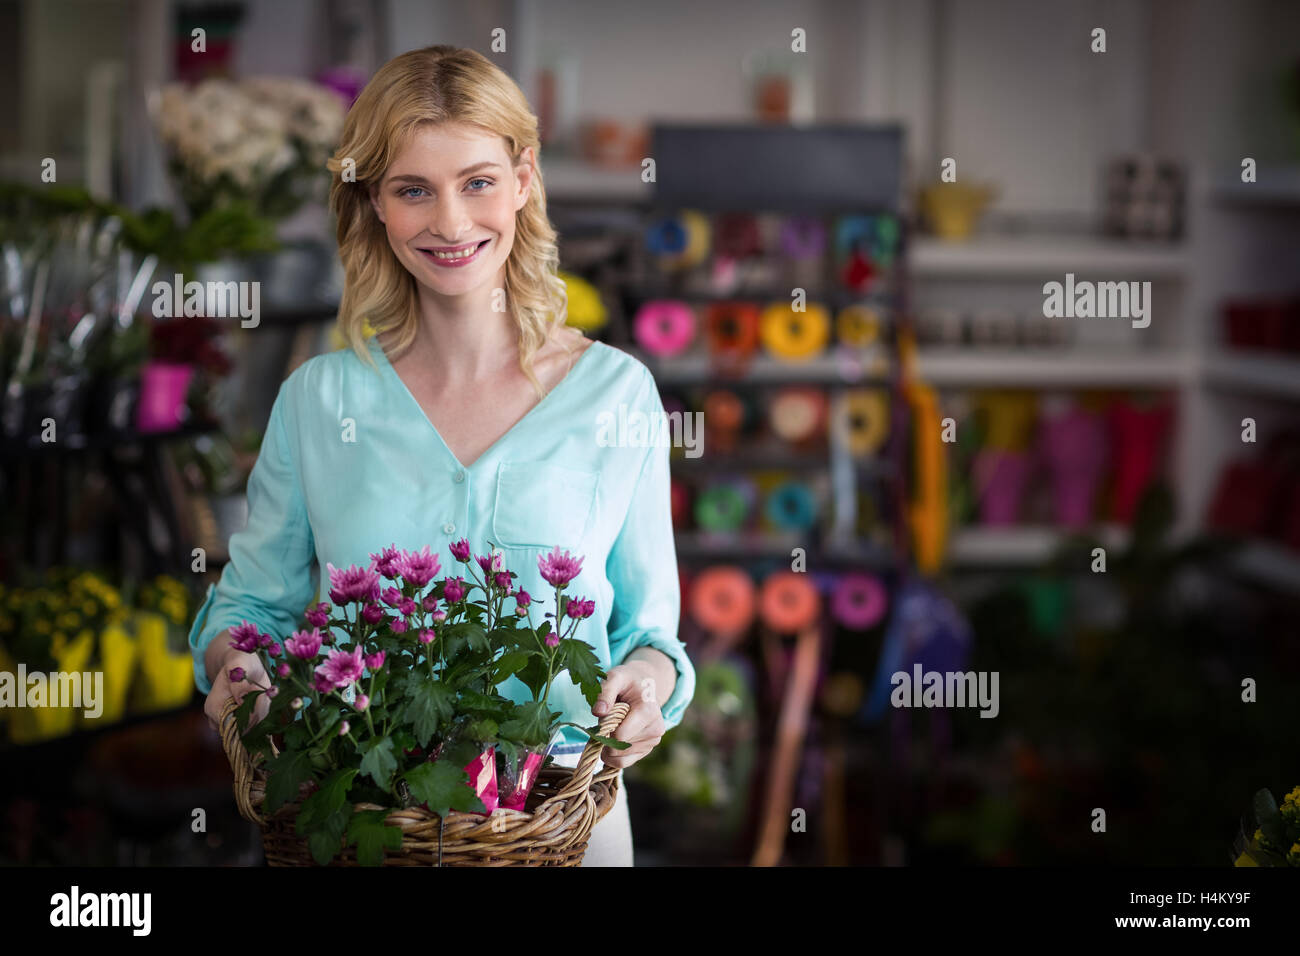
point(240, 762)
point(586, 769)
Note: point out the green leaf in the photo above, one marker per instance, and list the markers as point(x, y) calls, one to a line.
point(1269, 818)
point(326, 840)
point(326, 801)
point(531, 724)
point(429, 705)
point(372, 836)
point(599, 738)
point(509, 664)
point(443, 787)
point(483, 730)
point(533, 674)
point(285, 774)
point(583, 666)
point(378, 762)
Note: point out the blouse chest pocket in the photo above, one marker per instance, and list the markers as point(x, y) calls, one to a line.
point(541, 505)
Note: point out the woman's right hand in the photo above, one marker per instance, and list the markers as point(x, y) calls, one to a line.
point(223, 689)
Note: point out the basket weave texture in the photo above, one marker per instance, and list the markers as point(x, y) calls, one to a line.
point(552, 830)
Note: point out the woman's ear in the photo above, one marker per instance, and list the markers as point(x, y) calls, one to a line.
point(373, 192)
point(524, 175)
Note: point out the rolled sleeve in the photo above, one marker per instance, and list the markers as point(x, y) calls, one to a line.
point(642, 569)
point(271, 574)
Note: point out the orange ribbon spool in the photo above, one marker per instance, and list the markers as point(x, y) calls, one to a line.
point(732, 328)
point(722, 600)
point(789, 602)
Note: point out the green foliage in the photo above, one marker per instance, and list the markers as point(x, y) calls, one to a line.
point(430, 709)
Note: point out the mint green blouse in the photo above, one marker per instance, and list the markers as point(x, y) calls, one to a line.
point(350, 464)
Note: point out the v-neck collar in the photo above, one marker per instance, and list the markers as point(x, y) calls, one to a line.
point(373, 342)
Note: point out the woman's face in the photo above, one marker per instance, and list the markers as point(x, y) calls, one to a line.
point(452, 189)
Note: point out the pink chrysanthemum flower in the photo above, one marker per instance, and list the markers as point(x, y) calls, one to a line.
point(375, 661)
point(398, 624)
point(426, 636)
point(353, 584)
point(579, 609)
point(552, 639)
point(453, 590)
point(304, 644)
point(319, 616)
point(372, 613)
point(236, 675)
point(342, 667)
point(384, 561)
point(522, 600)
point(460, 550)
point(559, 569)
point(417, 567)
point(491, 563)
point(502, 580)
point(390, 596)
point(244, 637)
point(284, 670)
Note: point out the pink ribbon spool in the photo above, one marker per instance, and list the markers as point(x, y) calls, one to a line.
point(1074, 445)
point(664, 327)
point(1000, 479)
point(858, 601)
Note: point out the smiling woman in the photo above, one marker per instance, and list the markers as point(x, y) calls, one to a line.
point(472, 412)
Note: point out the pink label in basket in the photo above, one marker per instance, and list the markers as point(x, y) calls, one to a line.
point(482, 772)
point(527, 777)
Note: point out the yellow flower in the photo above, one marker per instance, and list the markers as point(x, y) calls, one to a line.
point(1259, 836)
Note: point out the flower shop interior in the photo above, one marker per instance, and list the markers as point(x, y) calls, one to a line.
point(948, 457)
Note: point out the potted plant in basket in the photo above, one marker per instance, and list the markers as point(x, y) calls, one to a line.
point(387, 698)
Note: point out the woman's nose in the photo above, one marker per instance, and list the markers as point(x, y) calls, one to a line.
point(450, 222)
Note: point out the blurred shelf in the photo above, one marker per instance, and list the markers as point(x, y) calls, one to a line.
point(994, 256)
point(762, 370)
point(76, 443)
point(972, 366)
point(43, 751)
point(1275, 184)
point(1267, 373)
point(1270, 564)
point(759, 293)
point(693, 546)
point(1022, 545)
point(575, 180)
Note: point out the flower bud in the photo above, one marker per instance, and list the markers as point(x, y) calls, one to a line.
point(344, 728)
point(295, 704)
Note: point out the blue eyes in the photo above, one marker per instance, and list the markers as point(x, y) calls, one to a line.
point(406, 193)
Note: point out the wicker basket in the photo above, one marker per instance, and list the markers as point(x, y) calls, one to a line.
point(552, 830)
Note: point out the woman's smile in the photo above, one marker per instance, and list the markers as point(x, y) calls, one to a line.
point(456, 256)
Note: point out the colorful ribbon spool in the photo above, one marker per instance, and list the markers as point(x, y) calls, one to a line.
point(795, 336)
point(722, 507)
point(664, 327)
point(732, 328)
point(798, 414)
point(698, 239)
point(858, 326)
point(802, 238)
point(862, 416)
point(680, 500)
point(736, 235)
point(585, 310)
point(788, 602)
point(666, 236)
point(791, 506)
point(858, 601)
point(725, 417)
point(722, 600)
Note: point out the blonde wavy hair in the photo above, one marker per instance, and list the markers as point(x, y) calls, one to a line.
point(433, 85)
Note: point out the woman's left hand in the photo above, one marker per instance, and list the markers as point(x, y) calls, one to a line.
point(643, 727)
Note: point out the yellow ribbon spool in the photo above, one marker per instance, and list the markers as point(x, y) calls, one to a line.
point(794, 336)
point(586, 312)
point(1010, 417)
point(699, 237)
point(863, 418)
point(858, 326)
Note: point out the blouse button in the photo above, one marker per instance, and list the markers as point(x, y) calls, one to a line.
point(448, 528)
point(460, 476)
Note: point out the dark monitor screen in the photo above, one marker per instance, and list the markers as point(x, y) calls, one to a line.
point(810, 169)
